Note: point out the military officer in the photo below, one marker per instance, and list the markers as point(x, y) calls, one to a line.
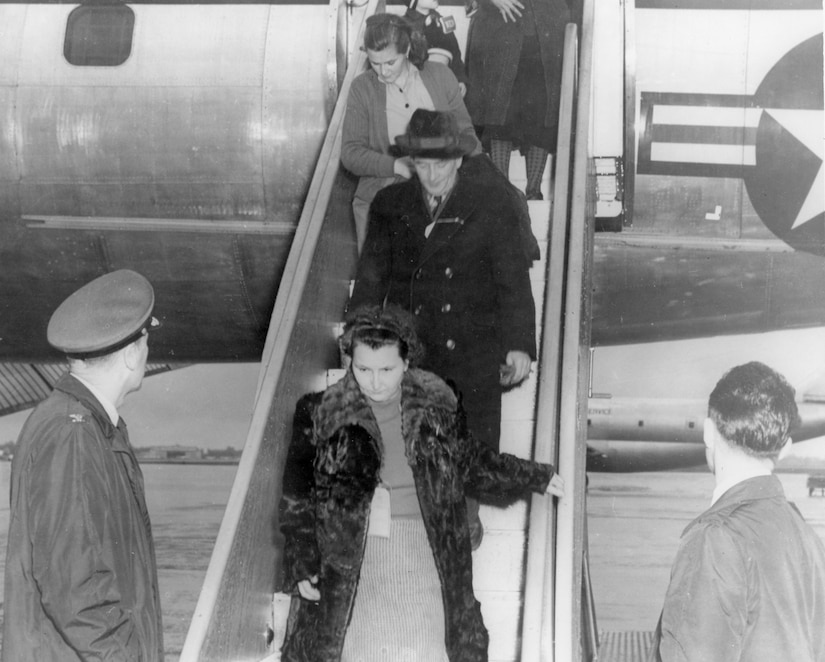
point(81, 577)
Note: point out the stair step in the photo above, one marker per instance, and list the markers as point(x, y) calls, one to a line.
point(624, 646)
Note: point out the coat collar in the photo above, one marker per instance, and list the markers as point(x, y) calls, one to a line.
point(476, 175)
point(456, 211)
point(71, 386)
point(462, 199)
point(423, 395)
point(752, 489)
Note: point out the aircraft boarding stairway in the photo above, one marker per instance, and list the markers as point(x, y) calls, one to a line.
point(531, 567)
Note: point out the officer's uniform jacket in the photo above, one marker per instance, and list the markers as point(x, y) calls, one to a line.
point(81, 577)
point(468, 282)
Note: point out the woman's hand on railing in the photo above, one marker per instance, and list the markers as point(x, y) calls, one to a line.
point(556, 486)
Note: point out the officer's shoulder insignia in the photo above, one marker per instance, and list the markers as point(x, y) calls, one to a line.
point(76, 418)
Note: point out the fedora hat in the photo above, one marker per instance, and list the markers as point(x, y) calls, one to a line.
point(433, 134)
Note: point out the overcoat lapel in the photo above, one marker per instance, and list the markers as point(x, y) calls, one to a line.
point(448, 223)
point(441, 235)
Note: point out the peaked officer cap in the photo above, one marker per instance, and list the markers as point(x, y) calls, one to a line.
point(104, 315)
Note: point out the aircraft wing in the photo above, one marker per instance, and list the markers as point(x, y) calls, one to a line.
point(23, 385)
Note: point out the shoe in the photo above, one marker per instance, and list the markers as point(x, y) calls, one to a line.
point(534, 195)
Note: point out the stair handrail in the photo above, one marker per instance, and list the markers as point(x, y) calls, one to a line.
point(570, 515)
point(539, 573)
point(283, 318)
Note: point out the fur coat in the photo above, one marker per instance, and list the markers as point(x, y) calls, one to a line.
point(332, 468)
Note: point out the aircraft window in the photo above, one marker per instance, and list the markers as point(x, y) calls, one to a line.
point(99, 35)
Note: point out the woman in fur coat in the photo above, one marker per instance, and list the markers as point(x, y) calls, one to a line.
point(373, 508)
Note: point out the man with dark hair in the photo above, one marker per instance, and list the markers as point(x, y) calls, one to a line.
point(748, 581)
point(81, 576)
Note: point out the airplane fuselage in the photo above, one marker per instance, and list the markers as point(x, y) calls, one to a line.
point(188, 160)
point(187, 156)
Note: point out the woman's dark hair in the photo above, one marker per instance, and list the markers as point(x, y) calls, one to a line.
point(378, 327)
point(391, 29)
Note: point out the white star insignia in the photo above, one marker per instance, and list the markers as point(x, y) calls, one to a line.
point(807, 127)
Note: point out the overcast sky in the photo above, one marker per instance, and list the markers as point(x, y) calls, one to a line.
point(210, 406)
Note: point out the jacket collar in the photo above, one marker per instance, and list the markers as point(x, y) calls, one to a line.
point(463, 197)
point(74, 388)
point(344, 404)
point(749, 490)
point(423, 395)
point(455, 212)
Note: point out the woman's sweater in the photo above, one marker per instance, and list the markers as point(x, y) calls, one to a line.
point(365, 141)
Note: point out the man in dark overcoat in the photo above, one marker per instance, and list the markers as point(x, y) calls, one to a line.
point(452, 245)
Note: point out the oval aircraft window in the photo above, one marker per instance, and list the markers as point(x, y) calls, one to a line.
point(99, 35)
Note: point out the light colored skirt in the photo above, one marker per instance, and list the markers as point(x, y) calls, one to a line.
point(398, 615)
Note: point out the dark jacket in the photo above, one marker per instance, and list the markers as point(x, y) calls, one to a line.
point(332, 469)
point(493, 51)
point(81, 578)
point(468, 283)
point(748, 583)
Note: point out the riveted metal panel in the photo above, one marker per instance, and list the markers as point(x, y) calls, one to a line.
point(12, 18)
point(295, 106)
point(214, 106)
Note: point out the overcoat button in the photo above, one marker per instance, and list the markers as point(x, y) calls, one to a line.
point(417, 310)
point(451, 344)
point(446, 308)
point(448, 272)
